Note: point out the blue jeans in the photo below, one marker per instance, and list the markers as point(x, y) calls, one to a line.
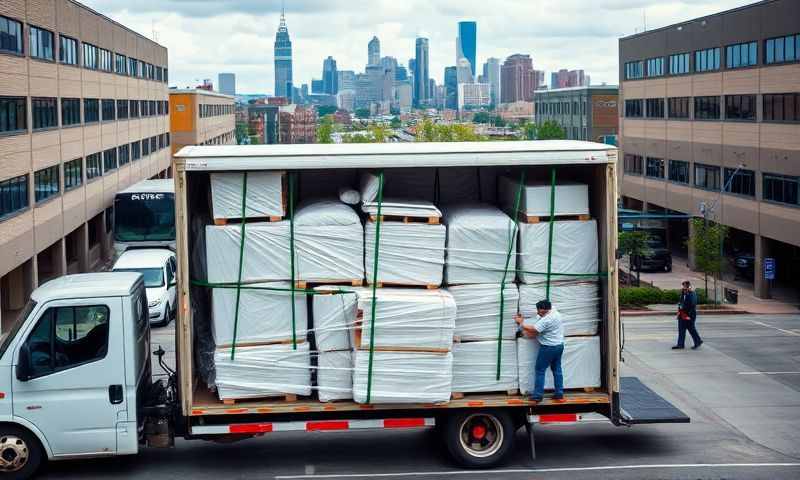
point(549, 356)
point(683, 326)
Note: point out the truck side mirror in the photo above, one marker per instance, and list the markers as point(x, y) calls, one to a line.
point(24, 363)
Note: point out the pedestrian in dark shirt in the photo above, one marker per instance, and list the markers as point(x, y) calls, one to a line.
point(687, 315)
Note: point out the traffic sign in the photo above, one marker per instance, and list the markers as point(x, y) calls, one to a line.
point(769, 268)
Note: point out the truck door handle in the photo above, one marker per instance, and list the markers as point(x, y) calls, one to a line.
point(115, 394)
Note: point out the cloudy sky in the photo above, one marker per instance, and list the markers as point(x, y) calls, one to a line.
point(205, 37)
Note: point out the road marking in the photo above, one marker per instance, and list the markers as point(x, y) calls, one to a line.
point(539, 470)
point(769, 373)
point(790, 332)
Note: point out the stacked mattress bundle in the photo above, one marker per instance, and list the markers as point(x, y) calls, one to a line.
point(265, 195)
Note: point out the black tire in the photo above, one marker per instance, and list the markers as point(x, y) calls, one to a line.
point(479, 438)
point(21, 453)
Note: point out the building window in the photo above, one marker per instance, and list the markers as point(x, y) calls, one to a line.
point(153, 144)
point(109, 160)
point(145, 147)
point(706, 108)
point(122, 109)
point(782, 49)
point(706, 60)
point(46, 183)
point(740, 107)
point(73, 174)
point(781, 188)
point(655, 67)
point(136, 151)
point(655, 107)
point(144, 107)
point(706, 177)
point(70, 111)
point(139, 68)
point(120, 64)
point(93, 166)
point(123, 153)
point(634, 70)
point(741, 55)
point(108, 110)
point(67, 50)
point(634, 108)
point(13, 194)
point(168, 140)
point(633, 164)
point(679, 64)
point(166, 76)
point(131, 66)
point(781, 107)
point(45, 114)
point(159, 74)
point(89, 56)
point(40, 43)
point(10, 35)
point(91, 110)
point(105, 59)
point(134, 108)
point(13, 114)
point(679, 171)
point(742, 183)
point(655, 167)
point(678, 107)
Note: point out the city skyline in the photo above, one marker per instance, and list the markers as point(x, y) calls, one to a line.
point(237, 36)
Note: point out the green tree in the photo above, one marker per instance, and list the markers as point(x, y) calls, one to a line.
point(528, 130)
point(323, 110)
point(635, 245)
point(357, 138)
point(550, 130)
point(362, 112)
point(396, 123)
point(325, 130)
point(379, 133)
point(482, 117)
point(707, 242)
point(432, 132)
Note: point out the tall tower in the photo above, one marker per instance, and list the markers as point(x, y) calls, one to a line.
point(374, 52)
point(421, 74)
point(466, 43)
point(283, 60)
point(330, 76)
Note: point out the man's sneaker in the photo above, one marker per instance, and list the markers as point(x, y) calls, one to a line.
point(677, 347)
point(558, 397)
point(697, 346)
point(535, 399)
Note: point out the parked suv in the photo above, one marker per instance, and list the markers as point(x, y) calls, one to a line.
point(158, 267)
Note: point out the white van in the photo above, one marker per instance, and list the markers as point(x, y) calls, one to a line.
point(157, 266)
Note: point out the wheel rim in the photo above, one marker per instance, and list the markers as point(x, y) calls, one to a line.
point(13, 453)
point(481, 435)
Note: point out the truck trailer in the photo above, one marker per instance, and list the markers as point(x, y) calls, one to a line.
point(77, 371)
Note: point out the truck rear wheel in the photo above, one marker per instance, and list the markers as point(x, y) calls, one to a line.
point(20, 453)
point(479, 439)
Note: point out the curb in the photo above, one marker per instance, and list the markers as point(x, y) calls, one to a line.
point(657, 313)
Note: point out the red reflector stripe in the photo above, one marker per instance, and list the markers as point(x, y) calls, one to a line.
point(334, 425)
point(250, 428)
point(558, 417)
point(403, 422)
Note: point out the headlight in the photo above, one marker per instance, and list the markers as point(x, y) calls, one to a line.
point(154, 303)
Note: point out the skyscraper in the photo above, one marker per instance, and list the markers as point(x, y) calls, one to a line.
point(374, 52)
point(346, 80)
point(227, 83)
point(466, 43)
point(464, 71)
point(283, 60)
point(451, 88)
point(491, 73)
point(401, 74)
point(329, 76)
point(517, 79)
point(421, 75)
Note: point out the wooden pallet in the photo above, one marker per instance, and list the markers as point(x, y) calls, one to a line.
point(285, 341)
point(289, 398)
point(430, 286)
point(237, 221)
point(303, 284)
point(406, 219)
point(546, 218)
point(460, 339)
point(460, 395)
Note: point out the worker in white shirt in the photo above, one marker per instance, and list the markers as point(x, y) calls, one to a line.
point(549, 331)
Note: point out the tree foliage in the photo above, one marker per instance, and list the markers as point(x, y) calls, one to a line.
point(634, 244)
point(428, 131)
point(396, 123)
point(706, 242)
point(550, 130)
point(362, 112)
point(325, 130)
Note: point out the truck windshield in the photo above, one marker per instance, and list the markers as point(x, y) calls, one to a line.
point(153, 277)
point(140, 217)
point(7, 337)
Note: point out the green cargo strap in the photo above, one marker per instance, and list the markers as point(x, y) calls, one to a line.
point(291, 255)
point(512, 235)
point(253, 285)
point(241, 264)
point(378, 222)
point(550, 224)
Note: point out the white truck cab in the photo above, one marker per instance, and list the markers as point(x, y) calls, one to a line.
point(74, 369)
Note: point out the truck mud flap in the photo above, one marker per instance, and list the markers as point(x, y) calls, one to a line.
point(641, 405)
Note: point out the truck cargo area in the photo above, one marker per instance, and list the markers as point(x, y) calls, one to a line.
point(639, 404)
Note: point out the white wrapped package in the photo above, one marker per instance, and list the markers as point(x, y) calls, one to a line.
point(478, 311)
point(402, 207)
point(403, 377)
point(329, 242)
point(266, 252)
point(580, 363)
point(349, 196)
point(335, 375)
point(264, 315)
point(264, 194)
point(478, 240)
point(409, 253)
point(572, 198)
point(408, 319)
point(475, 366)
point(334, 317)
point(263, 371)
point(574, 249)
point(577, 302)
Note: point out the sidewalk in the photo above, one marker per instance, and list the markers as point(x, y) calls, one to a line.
point(783, 301)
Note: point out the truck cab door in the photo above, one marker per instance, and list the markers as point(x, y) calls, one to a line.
point(72, 387)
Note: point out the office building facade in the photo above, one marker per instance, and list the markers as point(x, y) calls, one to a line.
point(421, 74)
point(374, 52)
point(199, 117)
point(517, 79)
point(466, 44)
point(283, 60)
point(585, 113)
point(330, 77)
point(491, 74)
point(227, 83)
point(451, 88)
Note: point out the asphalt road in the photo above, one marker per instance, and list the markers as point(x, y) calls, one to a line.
point(741, 389)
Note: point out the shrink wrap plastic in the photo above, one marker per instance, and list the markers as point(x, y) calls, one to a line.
point(478, 311)
point(335, 317)
point(478, 241)
point(349, 196)
point(578, 303)
point(264, 315)
point(402, 208)
point(574, 249)
point(264, 194)
point(410, 253)
point(335, 375)
point(263, 371)
point(403, 377)
point(580, 363)
point(475, 367)
point(572, 198)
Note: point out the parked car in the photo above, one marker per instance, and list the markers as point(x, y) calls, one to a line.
point(659, 258)
point(744, 266)
point(158, 267)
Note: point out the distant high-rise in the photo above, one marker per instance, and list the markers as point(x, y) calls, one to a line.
point(329, 76)
point(317, 86)
point(450, 88)
point(517, 79)
point(464, 71)
point(227, 83)
point(421, 75)
point(346, 80)
point(491, 74)
point(466, 43)
point(374, 52)
point(568, 78)
point(283, 60)
point(401, 74)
